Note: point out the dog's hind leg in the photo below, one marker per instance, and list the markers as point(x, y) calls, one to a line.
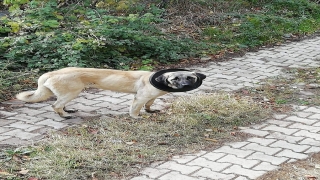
point(148, 105)
point(59, 105)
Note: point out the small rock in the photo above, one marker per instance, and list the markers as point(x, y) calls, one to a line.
point(313, 86)
point(205, 58)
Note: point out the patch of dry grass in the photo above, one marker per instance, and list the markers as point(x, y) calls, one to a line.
point(110, 148)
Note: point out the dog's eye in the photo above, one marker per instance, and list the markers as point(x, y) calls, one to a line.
point(176, 78)
point(189, 78)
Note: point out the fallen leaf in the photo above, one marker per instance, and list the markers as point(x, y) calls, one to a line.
point(317, 166)
point(162, 143)
point(130, 143)
point(209, 139)
point(233, 133)
point(32, 178)
point(23, 171)
point(5, 173)
point(310, 177)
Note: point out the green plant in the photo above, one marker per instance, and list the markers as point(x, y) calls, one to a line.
point(48, 37)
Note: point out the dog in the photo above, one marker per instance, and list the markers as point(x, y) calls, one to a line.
point(67, 83)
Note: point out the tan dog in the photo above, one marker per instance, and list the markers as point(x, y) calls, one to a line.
point(67, 84)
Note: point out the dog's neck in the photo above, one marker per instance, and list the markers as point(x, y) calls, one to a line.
point(163, 87)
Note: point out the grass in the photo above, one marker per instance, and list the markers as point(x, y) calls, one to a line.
point(118, 147)
point(298, 86)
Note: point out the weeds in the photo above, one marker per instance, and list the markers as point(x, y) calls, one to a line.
point(117, 147)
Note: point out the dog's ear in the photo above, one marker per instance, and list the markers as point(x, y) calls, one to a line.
point(201, 76)
point(161, 79)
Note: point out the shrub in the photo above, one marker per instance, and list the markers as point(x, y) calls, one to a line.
point(47, 37)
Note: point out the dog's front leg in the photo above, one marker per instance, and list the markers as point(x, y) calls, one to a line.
point(148, 105)
point(137, 104)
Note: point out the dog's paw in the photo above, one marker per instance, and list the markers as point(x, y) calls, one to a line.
point(70, 110)
point(152, 111)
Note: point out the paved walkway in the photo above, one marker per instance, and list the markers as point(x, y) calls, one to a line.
point(284, 138)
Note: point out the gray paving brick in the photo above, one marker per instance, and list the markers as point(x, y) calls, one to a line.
point(26, 118)
point(4, 129)
point(267, 158)
point(241, 178)
point(213, 156)
point(30, 112)
point(93, 96)
point(15, 142)
point(304, 133)
point(280, 116)
point(305, 127)
point(239, 161)
point(178, 176)
point(50, 115)
point(259, 148)
point(280, 136)
point(21, 134)
point(214, 166)
point(84, 108)
point(24, 126)
point(183, 159)
point(85, 101)
point(4, 137)
point(315, 116)
point(261, 141)
point(256, 132)
point(313, 150)
point(310, 141)
point(312, 109)
point(36, 105)
point(113, 107)
point(153, 172)
point(207, 173)
point(7, 114)
point(234, 151)
point(236, 169)
point(291, 154)
point(301, 120)
point(237, 144)
point(52, 123)
point(287, 131)
point(265, 166)
point(286, 145)
point(279, 123)
point(183, 169)
point(144, 177)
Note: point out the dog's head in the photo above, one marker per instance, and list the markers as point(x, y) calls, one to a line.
point(180, 79)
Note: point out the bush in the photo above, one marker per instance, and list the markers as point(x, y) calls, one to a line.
point(47, 36)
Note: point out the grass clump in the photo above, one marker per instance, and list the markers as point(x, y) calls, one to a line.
point(298, 86)
point(111, 148)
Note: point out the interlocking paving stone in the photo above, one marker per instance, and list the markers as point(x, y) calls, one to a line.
point(288, 136)
point(178, 176)
point(153, 172)
point(214, 166)
point(183, 169)
point(267, 158)
point(51, 123)
point(240, 161)
point(291, 154)
point(21, 134)
point(265, 166)
point(207, 173)
point(252, 174)
point(286, 145)
point(258, 148)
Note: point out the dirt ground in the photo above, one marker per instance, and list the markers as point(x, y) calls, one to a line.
point(308, 169)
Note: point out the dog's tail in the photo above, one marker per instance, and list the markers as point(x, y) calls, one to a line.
point(41, 94)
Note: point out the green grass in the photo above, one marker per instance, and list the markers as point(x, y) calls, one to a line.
point(117, 147)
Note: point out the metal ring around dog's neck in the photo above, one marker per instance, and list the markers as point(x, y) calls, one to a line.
point(163, 87)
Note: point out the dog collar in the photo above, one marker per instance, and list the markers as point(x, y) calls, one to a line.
point(163, 87)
